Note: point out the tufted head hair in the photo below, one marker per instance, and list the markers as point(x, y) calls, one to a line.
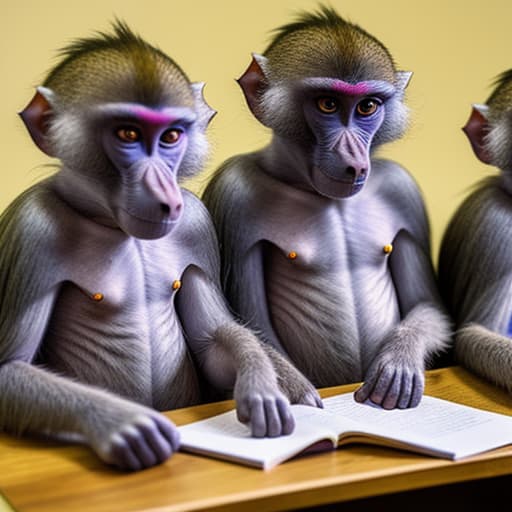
point(497, 141)
point(120, 65)
point(324, 44)
point(111, 68)
point(500, 99)
point(320, 45)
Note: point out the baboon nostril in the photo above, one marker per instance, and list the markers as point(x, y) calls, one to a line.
point(351, 171)
point(354, 173)
point(165, 208)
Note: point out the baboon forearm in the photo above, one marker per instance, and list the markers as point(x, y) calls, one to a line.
point(486, 353)
point(35, 400)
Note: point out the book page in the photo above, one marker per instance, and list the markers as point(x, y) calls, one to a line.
point(447, 428)
point(436, 427)
point(225, 437)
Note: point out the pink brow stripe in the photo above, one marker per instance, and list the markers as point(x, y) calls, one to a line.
point(152, 116)
point(350, 89)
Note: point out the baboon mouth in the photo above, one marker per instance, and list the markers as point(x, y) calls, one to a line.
point(140, 226)
point(336, 186)
point(344, 180)
point(162, 220)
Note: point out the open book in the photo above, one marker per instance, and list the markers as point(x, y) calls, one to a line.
point(436, 427)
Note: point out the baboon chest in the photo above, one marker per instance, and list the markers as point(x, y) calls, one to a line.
point(115, 322)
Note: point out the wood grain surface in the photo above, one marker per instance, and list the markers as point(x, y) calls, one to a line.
point(44, 476)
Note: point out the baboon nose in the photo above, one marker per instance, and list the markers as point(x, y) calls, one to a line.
point(172, 211)
point(354, 173)
point(176, 211)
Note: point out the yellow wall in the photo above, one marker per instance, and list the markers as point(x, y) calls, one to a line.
point(4, 506)
point(454, 47)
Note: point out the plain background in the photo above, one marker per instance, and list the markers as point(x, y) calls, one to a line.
point(455, 49)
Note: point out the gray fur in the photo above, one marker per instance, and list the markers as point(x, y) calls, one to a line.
point(486, 353)
point(475, 260)
point(471, 274)
point(323, 44)
point(342, 309)
point(406, 350)
point(499, 118)
point(475, 275)
point(497, 141)
point(331, 326)
point(111, 306)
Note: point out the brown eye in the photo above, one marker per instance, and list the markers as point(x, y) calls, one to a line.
point(367, 107)
point(171, 136)
point(327, 105)
point(128, 134)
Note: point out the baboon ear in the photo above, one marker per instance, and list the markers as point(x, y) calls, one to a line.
point(254, 83)
point(205, 112)
point(476, 129)
point(36, 116)
point(402, 79)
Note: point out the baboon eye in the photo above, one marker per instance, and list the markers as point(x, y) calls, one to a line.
point(327, 105)
point(367, 107)
point(128, 134)
point(171, 136)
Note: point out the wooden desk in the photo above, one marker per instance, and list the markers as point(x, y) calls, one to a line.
point(44, 477)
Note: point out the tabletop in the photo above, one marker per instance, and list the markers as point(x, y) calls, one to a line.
point(44, 476)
